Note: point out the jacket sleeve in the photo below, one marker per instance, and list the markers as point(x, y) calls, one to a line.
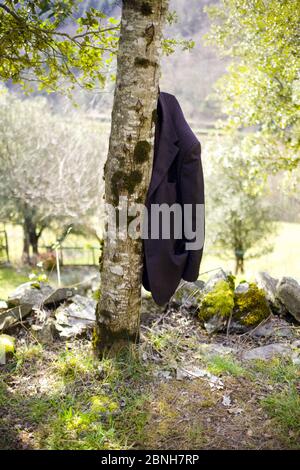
point(192, 192)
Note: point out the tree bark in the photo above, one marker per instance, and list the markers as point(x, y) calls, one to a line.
point(31, 234)
point(239, 265)
point(26, 247)
point(128, 167)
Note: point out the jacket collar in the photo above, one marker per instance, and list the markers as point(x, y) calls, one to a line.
point(167, 147)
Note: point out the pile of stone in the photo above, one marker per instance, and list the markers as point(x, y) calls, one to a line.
point(49, 313)
point(266, 307)
point(220, 304)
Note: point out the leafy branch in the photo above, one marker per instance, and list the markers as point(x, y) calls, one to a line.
point(36, 44)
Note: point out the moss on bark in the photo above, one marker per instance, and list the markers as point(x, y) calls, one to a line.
point(122, 181)
point(142, 151)
point(143, 62)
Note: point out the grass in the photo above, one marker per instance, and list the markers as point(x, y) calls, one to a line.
point(220, 365)
point(71, 365)
point(176, 419)
point(65, 398)
point(282, 261)
point(62, 397)
point(77, 402)
point(162, 342)
point(106, 415)
point(15, 241)
point(284, 408)
point(28, 354)
point(11, 278)
point(80, 427)
point(277, 371)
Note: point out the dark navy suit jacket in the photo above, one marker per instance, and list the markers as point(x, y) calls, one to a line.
point(177, 177)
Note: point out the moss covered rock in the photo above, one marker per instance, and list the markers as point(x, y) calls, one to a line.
point(7, 346)
point(218, 302)
point(251, 307)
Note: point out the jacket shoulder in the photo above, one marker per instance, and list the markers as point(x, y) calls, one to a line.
point(167, 96)
point(185, 134)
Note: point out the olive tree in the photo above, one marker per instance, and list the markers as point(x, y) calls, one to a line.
point(50, 168)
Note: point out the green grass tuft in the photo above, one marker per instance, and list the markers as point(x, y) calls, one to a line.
point(10, 279)
point(284, 408)
point(225, 365)
point(277, 370)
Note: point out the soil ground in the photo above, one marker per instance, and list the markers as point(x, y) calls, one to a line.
point(60, 397)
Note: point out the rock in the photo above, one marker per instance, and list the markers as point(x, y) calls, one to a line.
point(274, 328)
point(288, 292)
point(75, 318)
point(215, 349)
point(89, 283)
point(150, 308)
point(215, 324)
point(226, 400)
point(295, 356)
point(163, 374)
point(199, 284)
point(187, 294)
point(13, 315)
point(59, 295)
point(145, 294)
point(194, 372)
point(28, 294)
point(83, 277)
point(7, 343)
point(3, 306)
point(45, 333)
point(268, 284)
point(212, 281)
point(268, 352)
point(241, 288)
point(237, 328)
point(191, 372)
point(7, 346)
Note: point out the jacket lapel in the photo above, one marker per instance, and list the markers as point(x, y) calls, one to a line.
point(167, 148)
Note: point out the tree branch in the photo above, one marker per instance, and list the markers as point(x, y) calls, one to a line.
point(11, 12)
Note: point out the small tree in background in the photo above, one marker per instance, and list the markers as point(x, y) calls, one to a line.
point(50, 168)
point(238, 221)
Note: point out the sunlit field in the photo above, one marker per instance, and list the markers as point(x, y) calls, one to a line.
point(282, 261)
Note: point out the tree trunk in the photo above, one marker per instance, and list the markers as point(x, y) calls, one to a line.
point(26, 246)
point(128, 167)
point(34, 240)
point(31, 234)
point(239, 265)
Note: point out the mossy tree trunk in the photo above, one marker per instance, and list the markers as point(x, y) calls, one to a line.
point(128, 167)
